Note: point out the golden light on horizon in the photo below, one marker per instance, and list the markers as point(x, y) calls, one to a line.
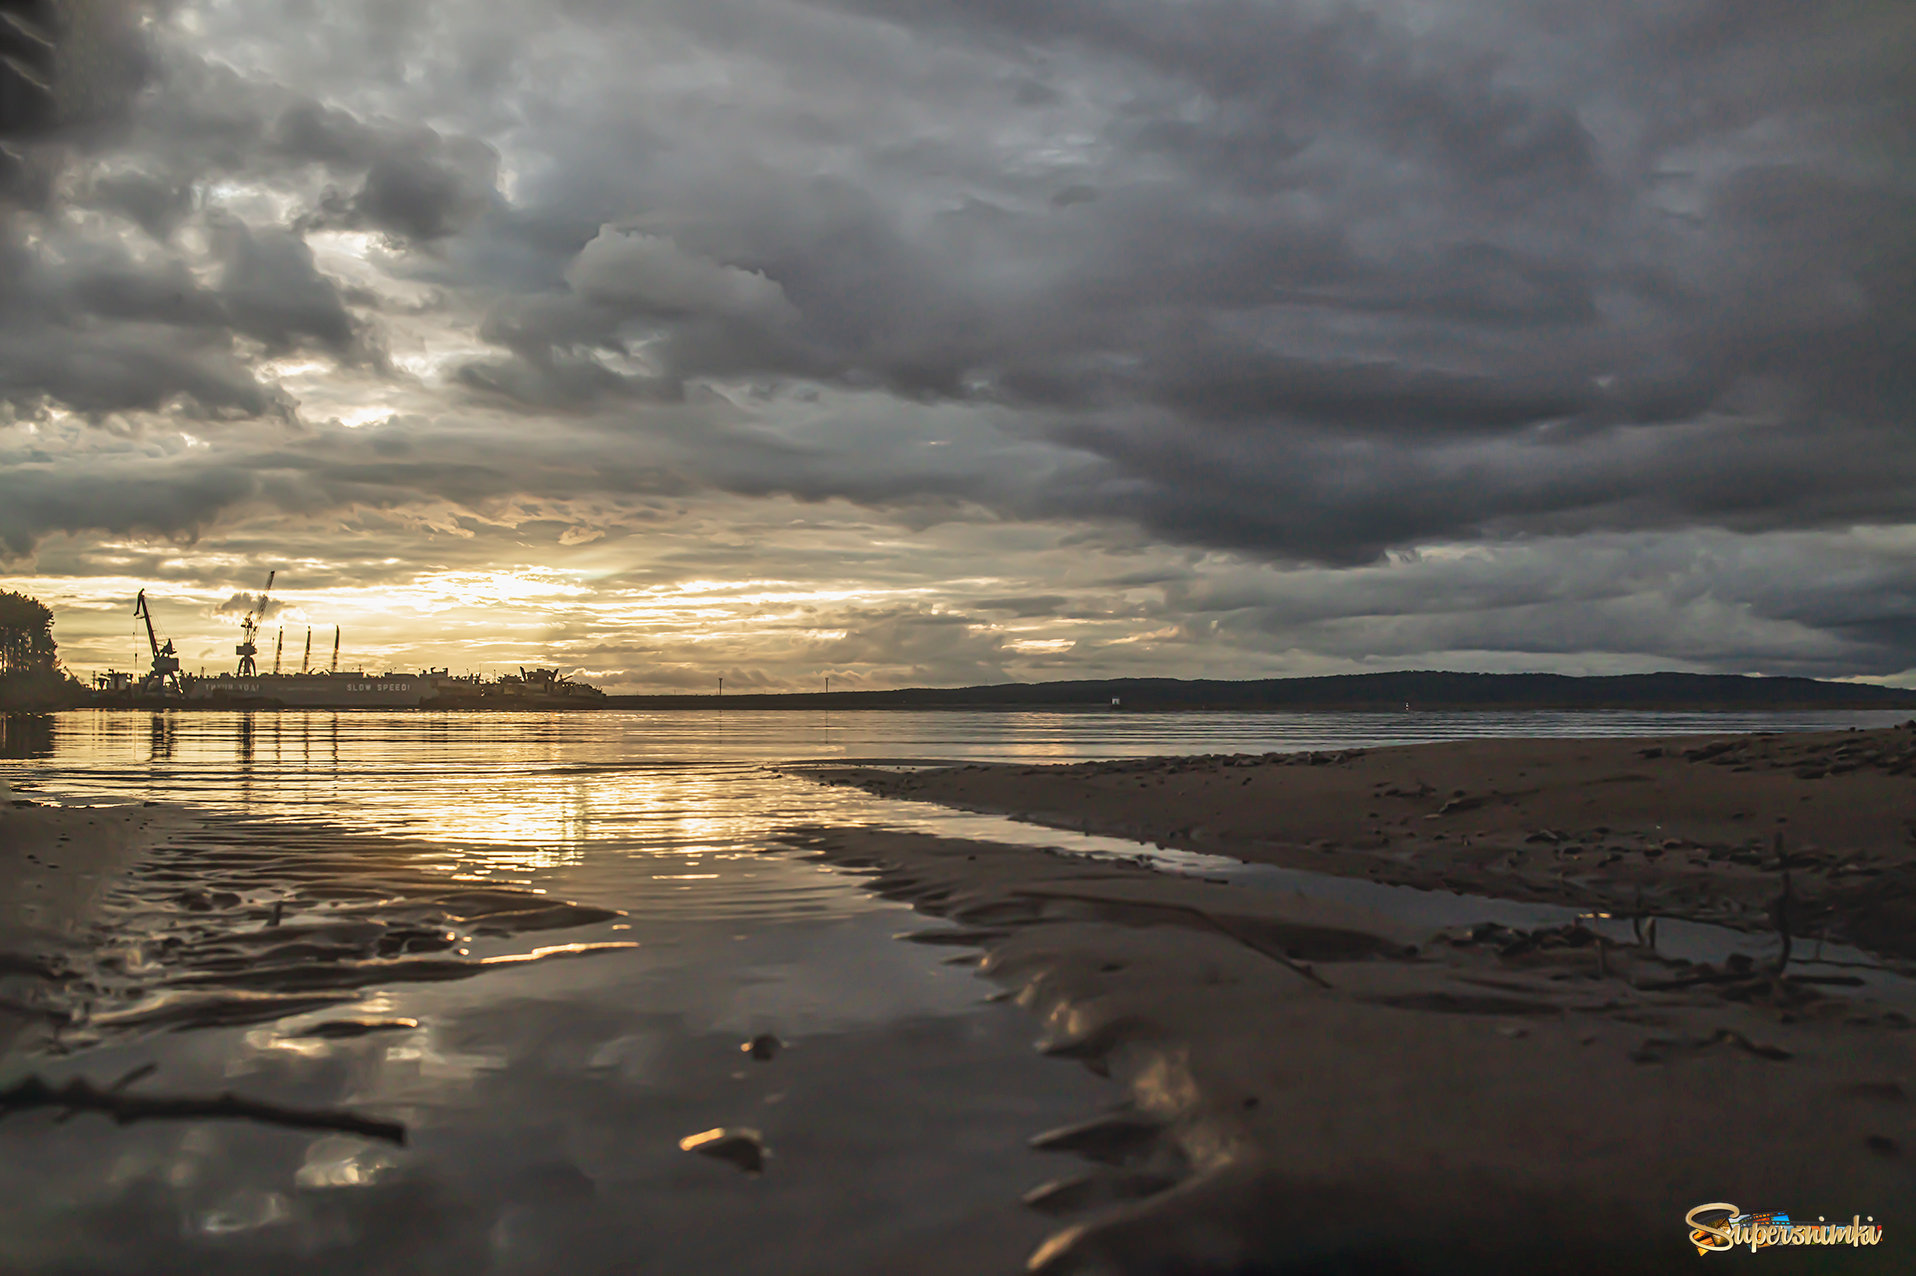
point(573, 616)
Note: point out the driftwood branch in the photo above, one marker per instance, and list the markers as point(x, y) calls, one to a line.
point(81, 1095)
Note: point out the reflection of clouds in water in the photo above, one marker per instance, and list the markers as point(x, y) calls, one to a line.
point(191, 1158)
point(338, 1160)
point(422, 1063)
point(798, 980)
point(246, 1210)
point(633, 1057)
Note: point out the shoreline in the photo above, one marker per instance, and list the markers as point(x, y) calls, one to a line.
point(1682, 827)
point(743, 702)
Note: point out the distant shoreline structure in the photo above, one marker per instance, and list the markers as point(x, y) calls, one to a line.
point(1396, 693)
point(1415, 691)
point(350, 689)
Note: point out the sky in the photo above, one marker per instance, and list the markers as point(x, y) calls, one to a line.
point(938, 342)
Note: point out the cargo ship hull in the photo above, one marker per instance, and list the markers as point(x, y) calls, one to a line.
point(351, 690)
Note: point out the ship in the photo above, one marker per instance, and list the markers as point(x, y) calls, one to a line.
point(348, 689)
point(424, 689)
point(166, 685)
point(530, 689)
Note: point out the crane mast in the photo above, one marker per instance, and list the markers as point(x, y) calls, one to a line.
point(165, 673)
point(279, 646)
point(249, 629)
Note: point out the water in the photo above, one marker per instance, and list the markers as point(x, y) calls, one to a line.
point(545, 1101)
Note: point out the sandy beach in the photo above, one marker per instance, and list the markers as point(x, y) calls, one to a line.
point(1314, 1084)
point(1682, 827)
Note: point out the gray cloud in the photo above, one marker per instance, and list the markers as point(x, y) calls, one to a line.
point(1222, 283)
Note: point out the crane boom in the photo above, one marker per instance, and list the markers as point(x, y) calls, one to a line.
point(140, 612)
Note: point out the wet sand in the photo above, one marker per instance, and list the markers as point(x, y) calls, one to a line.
point(1314, 1088)
point(123, 920)
point(539, 1108)
point(55, 864)
point(1682, 827)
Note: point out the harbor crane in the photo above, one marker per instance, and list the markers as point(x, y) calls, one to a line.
point(279, 648)
point(249, 629)
point(164, 677)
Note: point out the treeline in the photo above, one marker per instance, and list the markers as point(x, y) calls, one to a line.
point(30, 673)
point(1421, 690)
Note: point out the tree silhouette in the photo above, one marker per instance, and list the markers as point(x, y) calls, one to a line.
point(26, 636)
point(30, 673)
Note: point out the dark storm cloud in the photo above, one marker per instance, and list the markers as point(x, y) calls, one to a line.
point(1308, 283)
point(406, 180)
point(1804, 603)
point(96, 327)
point(101, 319)
point(125, 499)
point(418, 186)
point(65, 63)
point(1380, 283)
point(269, 290)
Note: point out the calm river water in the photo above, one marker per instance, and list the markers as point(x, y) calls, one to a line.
point(545, 1102)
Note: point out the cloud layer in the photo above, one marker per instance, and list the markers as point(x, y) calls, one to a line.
point(1228, 337)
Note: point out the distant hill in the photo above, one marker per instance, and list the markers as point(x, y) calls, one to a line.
point(1379, 691)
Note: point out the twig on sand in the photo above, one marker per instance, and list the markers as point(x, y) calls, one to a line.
point(81, 1095)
